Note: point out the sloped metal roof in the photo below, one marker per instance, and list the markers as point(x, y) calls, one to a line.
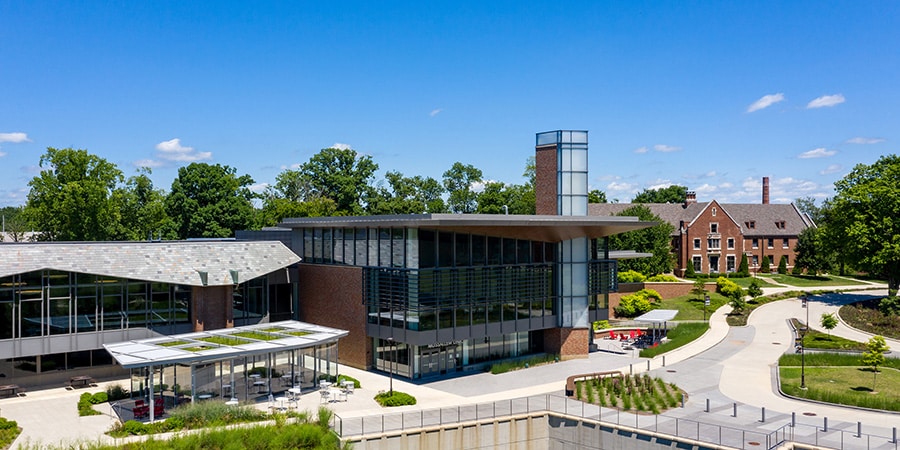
point(176, 262)
point(206, 346)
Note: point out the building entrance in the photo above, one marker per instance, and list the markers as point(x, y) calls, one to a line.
point(439, 360)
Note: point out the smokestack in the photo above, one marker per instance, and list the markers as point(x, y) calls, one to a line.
point(765, 191)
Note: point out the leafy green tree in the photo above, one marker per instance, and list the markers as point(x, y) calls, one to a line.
point(276, 209)
point(596, 196)
point(699, 289)
point(744, 268)
point(210, 201)
point(406, 195)
point(70, 200)
point(670, 194)
point(343, 175)
point(766, 265)
point(866, 205)
point(142, 209)
point(782, 265)
point(14, 223)
point(500, 198)
point(689, 270)
point(807, 205)
point(754, 290)
point(811, 253)
point(828, 321)
point(734, 293)
point(874, 355)
point(458, 181)
point(654, 240)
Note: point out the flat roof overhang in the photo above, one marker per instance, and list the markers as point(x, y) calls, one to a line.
point(192, 348)
point(543, 228)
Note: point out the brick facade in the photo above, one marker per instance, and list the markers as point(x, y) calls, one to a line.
point(666, 290)
point(332, 296)
point(569, 343)
point(545, 179)
point(211, 308)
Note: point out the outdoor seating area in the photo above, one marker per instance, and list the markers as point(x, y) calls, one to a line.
point(11, 390)
point(81, 381)
point(141, 409)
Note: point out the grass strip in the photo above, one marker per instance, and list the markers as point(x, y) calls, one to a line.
point(678, 336)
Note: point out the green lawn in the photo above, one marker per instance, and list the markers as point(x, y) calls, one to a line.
point(805, 281)
point(691, 308)
point(820, 340)
point(744, 282)
point(845, 385)
point(678, 336)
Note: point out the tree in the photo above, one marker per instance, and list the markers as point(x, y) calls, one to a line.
point(343, 175)
point(782, 265)
point(670, 194)
point(654, 240)
point(865, 207)
point(828, 321)
point(765, 266)
point(807, 205)
point(811, 253)
point(596, 196)
point(744, 268)
point(458, 181)
point(210, 201)
point(406, 195)
point(15, 226)
point(70, 200)
point(276, 209)
point(754, 290)
point(699, 289)
point(874, 355)
point(500, 198)
point(142, 209)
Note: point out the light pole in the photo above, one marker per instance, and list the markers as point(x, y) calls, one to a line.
point(804, 300)
point(391, 340)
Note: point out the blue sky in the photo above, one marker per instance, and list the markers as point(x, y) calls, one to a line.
point(710, 95)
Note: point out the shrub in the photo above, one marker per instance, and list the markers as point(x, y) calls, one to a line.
point(689, 270)
point(889, 306)
point(601, 325)
point(765, 265)
point(744, 268)
point(728, 288)
point(782, 265)
point(116, 392)
point(638, 303)
point(754, 290)
point(135, 428)
point(85, 408)
point(662, 278)
point(631, 276)
point(397, 399)
point(98, 398)
point(797, 270)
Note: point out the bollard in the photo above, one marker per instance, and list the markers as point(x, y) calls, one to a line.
point(631, 369)
point(793, 419)
point(664, 360)
point(763, 415)
point(894, 441)
point(707, 405)
point(648, 365)
point(825, 427)
point(735, 410)
point(859, 429)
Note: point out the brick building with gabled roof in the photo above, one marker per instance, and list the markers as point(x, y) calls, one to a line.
point(712, 236)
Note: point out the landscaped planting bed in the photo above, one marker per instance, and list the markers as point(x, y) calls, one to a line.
point(630, 393)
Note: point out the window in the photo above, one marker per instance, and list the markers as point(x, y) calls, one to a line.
point(779, 224)
point(713, 243)
point(755, 243)
point(697, 261)
point(714, 227)
point(784, 243)
point(770, 243)
point(714, 212)
point(751, 224)
point(696, 243)
point(755, 260)
point(729, 263)
point(731, 243)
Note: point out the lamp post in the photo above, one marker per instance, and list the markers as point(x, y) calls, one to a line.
point(391, 340)
point(804, 300)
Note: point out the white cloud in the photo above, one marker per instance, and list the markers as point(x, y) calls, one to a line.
point(259, 187)
point(707, 189)
point(15, 138)
point(765, 101)
point(726, 185)
point(2, 154)
point(826, 100)
point(341, 146)
point(435, 112)
point(640, 150)
point(619, 187)
point(666, 148)
point(172, 150)
point(833, 168)
point(151, 163)
point(659, 184)
point(865, 140)
point(820, 152)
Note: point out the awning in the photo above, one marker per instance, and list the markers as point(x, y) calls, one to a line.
point(657, 316)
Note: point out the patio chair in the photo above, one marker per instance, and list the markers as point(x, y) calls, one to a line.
point(159, 407)
point(325, 395)
point(612, 335)
point(140, 409)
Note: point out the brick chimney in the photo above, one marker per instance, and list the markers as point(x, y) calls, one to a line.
point(765, 191)
point(690, 197)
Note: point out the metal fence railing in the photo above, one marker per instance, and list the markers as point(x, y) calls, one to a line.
point(663, 424)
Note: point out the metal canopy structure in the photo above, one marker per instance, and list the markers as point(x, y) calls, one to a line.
point(226, 343)
point(657, 316)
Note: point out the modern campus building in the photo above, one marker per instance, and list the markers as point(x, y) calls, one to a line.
point(711, 237)
point(62, 304)
point(424, 295)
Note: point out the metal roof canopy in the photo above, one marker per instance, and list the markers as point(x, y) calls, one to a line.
point(190, 348)
point(657, 316)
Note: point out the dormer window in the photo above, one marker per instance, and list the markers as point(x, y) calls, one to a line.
point(751, 224)
point(779, 224)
